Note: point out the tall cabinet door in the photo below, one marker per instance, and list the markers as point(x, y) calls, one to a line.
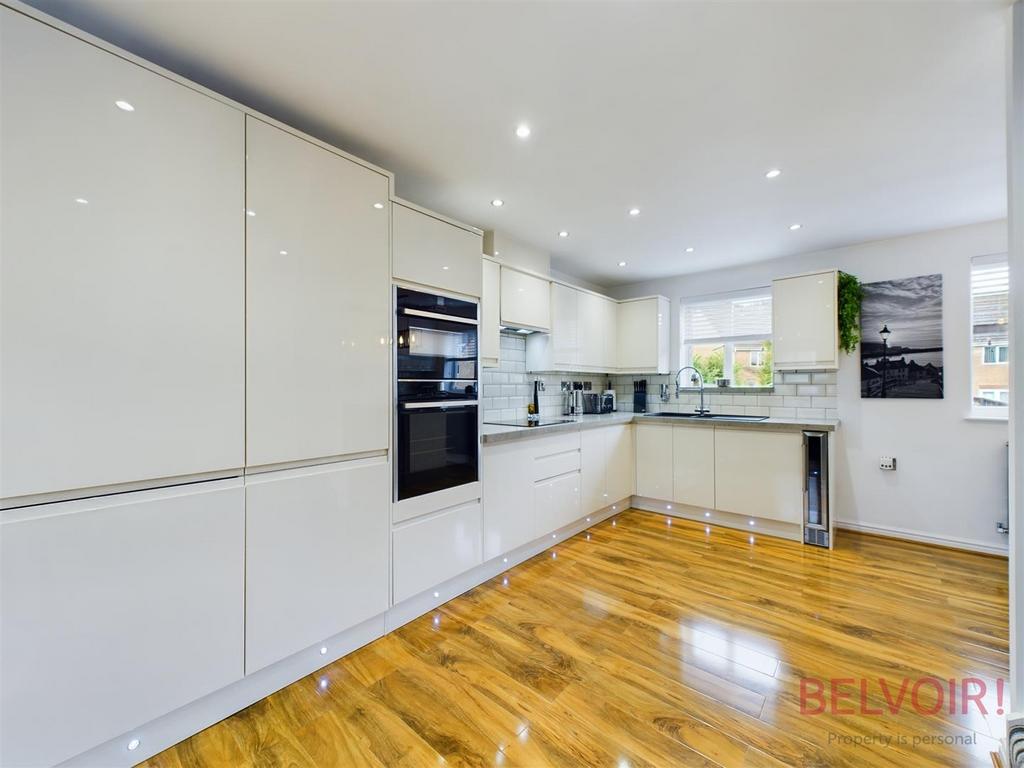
point(121, 277)
point(318, 312)
point(116, 610)
point(316, 562)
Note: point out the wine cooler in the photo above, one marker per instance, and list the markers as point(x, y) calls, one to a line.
point(816, 506)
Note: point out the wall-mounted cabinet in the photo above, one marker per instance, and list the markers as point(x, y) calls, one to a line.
point(316, 564)
point(583, 334)
point(117, 610)
point(805, 325)
point(122, 275)
point(525, 300)
point(490, 315)
point(643, 335)
point(317, 304)
point(430, 251)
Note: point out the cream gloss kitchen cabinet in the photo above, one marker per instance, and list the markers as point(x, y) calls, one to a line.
point(312, 534)
point(643, 337)
point(429, 250)
point(318, 308)
point(654, 463)
point(606, 466)
point(122, 278)
point(693, 466)
point(525, 300)
point(805, 324)
point(490, 315)
point(531, 488)
point(583, 333)
point(759, 473)
point(116, 610)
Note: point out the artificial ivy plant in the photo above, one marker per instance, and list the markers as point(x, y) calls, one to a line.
point(850, 296)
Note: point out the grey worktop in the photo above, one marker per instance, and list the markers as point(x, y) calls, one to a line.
point(494, 433)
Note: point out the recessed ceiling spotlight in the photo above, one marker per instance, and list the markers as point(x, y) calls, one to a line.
point(622, 263)
point(690, 249)
point(133, 745)
point(497, 253)
point(497, 203)
point(250, 213)
point(283, 253)
point(634, 211)
point(124, 105)
point(774, 173)
point(523, 131)
point(794, 227)
point(81, 201)
point(378, 206)
point(563, 233)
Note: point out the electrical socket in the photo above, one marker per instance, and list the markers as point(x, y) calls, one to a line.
point(887, 462)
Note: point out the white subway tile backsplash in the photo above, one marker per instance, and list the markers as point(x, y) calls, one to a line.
point(810, 390)
point(508, 389)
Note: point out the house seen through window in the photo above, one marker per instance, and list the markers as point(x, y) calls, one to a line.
point(990, 340)
point(729, 336)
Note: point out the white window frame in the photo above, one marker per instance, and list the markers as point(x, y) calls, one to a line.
point(983, 411)
point(729, 343)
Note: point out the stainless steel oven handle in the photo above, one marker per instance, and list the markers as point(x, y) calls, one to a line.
point(438, 404)
point(438, 316)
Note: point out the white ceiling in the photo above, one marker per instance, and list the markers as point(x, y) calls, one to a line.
point(886, 118)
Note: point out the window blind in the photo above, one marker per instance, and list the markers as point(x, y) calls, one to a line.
point(739, 316)
point(990, 300)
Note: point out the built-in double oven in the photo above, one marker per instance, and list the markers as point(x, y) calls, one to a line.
point(436, 366)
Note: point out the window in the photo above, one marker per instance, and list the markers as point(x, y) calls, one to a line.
point(990, 341)
point(729, 335)
point(995, 354)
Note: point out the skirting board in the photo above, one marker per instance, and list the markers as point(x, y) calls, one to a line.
point(168, 730)
point(942, 541)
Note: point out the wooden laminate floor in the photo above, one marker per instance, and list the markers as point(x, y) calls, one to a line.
point(644, 643)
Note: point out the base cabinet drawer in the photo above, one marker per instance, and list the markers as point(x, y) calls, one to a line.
point(557, 501)
point(428, 551)
point(316, 555)
point(116, 610)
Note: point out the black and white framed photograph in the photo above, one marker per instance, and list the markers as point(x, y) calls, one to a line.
point(901, 338)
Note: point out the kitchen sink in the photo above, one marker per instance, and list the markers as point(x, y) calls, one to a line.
point(716, 416)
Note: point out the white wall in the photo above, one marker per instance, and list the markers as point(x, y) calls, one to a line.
point(950, 485)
